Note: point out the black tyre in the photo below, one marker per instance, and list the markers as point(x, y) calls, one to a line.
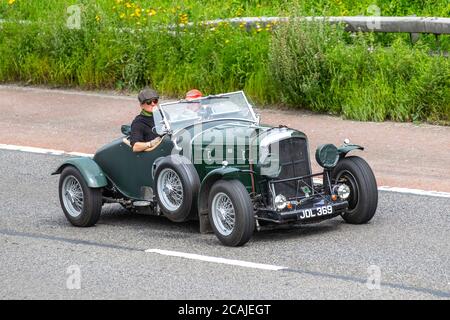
point(81, 205)
point(363, 199)
point(176, 185)
point(230, 212)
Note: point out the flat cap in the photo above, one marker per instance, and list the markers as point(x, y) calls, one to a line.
point(147, 94)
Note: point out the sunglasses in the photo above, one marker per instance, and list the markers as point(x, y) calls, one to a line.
point(149, 102)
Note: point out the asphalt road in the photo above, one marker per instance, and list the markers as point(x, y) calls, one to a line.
point(408, 240)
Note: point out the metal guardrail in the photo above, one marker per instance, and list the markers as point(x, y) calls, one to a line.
point(435, 26)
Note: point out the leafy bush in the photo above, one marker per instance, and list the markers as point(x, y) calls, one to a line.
point(316, 67)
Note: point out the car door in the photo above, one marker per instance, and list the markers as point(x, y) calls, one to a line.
point(131, 172)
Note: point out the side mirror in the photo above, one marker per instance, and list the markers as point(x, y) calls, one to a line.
point(126, 129)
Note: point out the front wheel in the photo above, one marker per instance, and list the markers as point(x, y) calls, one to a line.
point(231, 212)
point(81, 205)
point(363, 199)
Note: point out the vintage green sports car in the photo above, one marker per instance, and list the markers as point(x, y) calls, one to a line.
point(215, 163)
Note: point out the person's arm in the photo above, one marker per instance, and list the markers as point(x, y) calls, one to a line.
point(141, 146)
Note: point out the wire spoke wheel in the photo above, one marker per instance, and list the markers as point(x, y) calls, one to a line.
point(170, 189)
point(223, 213)
point(72, 196)
point(230, 212)
point(81, 204)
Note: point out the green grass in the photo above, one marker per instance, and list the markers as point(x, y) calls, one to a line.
point(324, 69)
point(196, 10)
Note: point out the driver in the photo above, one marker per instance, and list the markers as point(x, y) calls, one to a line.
point(142, 136)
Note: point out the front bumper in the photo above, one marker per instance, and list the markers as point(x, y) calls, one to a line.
point(311, 212)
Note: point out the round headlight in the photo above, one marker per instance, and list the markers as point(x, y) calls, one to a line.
point(327, 155)
point(280, 202)
point(343, 191)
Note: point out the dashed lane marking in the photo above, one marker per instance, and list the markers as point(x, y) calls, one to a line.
point(216, 260)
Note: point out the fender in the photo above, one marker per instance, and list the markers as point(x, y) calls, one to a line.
point(208, 181)
point(155, 165)
point(89, 169)
point(217, 174)
point(346, 148)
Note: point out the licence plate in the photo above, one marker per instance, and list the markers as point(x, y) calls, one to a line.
point(315, 212)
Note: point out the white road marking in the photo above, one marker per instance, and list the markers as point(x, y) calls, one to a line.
point(428, 193)
point(77, 93)
point(68, 92)
point(216, 260)
point(43, 151)
point(80, 154)
point(415, 191)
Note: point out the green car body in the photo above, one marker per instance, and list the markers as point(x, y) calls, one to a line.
point(226, 148)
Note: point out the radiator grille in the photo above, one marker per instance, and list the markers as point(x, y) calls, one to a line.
point(294, 162)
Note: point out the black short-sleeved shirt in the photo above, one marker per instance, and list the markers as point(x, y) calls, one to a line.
point(141, 129)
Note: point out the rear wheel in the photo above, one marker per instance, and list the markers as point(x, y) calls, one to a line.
point(177, 185)
point(81, 205)
point(231, 212)
point(363, 199)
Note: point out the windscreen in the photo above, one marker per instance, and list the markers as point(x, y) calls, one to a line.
point(178, 115)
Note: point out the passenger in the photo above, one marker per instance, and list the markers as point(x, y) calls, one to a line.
point(192, 95)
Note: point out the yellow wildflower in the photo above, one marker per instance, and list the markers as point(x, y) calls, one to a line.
point(183, 18)
point(128, 5)
point(11, 2)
